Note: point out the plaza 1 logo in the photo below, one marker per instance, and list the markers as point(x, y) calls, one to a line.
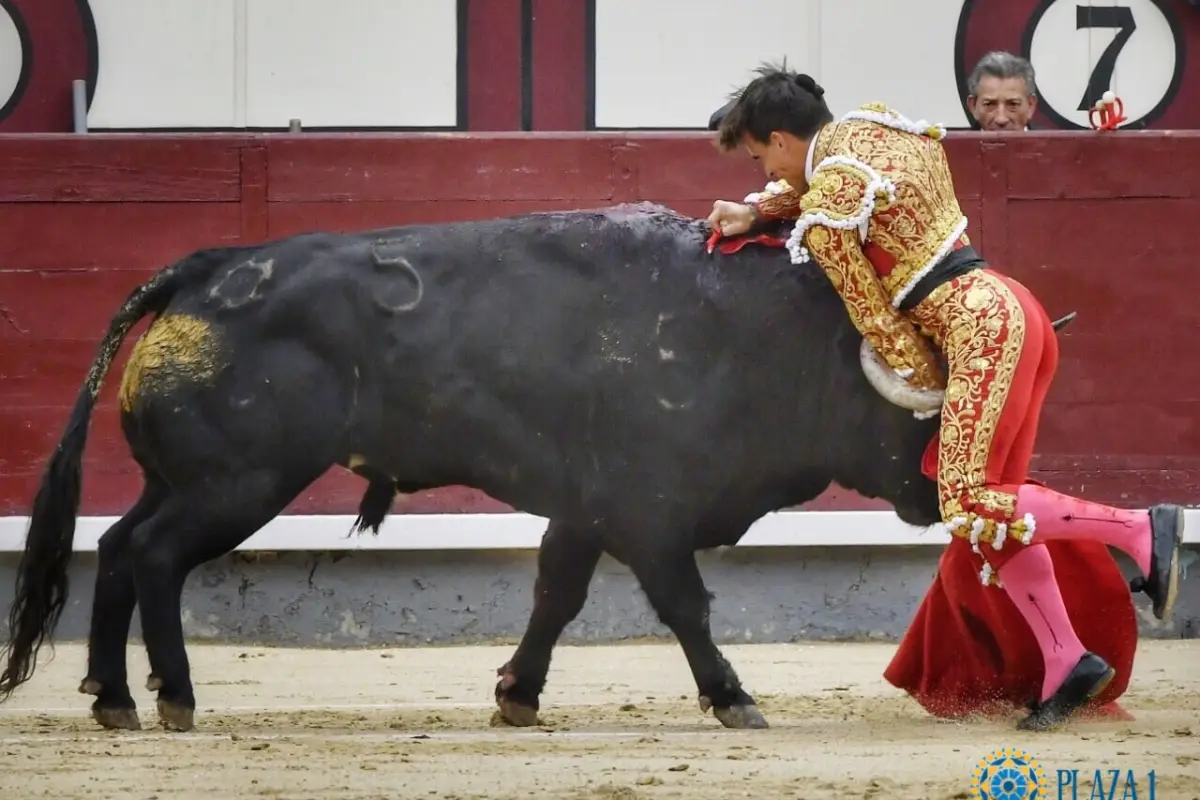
point(44, 45)
point(1013, 774)
point(1080, 49)
point(1107, 784)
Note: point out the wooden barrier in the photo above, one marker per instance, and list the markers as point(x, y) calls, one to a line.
point(1100, 224)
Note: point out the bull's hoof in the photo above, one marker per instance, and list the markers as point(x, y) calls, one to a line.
point(516, 706)
point(740, 717)
point(514, 715)
point(110, 711)
point(511, 712)
point(176, 717)
point(117, 719)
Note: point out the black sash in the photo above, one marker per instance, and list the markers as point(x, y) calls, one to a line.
point(958, 262)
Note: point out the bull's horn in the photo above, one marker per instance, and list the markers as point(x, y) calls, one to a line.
point(1062, 322)
point(895, 389)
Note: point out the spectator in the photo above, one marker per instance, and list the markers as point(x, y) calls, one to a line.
point(1001, 92)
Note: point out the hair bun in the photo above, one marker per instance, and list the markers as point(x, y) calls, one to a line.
point(806, 83)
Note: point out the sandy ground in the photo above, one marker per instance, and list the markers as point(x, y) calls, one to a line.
point(620, 723)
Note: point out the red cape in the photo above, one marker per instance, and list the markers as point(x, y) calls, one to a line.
point(970, 652)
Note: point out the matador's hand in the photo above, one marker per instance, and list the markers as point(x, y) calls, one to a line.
point(731, 219)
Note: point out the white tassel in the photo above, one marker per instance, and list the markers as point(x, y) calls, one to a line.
point(976, 530)
point(999, 537)
point(1030, 527)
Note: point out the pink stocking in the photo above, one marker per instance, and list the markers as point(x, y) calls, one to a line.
point(1060, 516)
point(1028, 579)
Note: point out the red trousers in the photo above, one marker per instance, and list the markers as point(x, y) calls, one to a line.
point(968, 649)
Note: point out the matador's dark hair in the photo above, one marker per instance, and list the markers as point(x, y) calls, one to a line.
point(779, 99)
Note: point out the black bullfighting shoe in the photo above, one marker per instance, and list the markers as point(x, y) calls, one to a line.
point(1090, 677)
point(1162, 584)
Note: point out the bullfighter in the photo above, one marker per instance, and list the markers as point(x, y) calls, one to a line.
point(873, 200)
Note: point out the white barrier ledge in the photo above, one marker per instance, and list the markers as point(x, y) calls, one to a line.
point(524, 531)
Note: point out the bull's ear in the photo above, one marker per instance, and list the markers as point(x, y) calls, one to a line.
point(714, 121)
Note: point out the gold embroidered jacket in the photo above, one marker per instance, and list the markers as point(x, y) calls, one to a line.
point(879, 213)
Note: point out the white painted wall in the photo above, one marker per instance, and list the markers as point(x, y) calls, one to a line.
point(369, 62)
point(164, 63)
point(258, 63)
point(697, 51)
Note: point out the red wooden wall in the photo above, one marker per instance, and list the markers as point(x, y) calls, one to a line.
point(1094, 223)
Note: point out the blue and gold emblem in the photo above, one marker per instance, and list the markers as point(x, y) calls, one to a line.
point(1008, 774)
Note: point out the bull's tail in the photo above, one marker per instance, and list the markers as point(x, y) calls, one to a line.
point(41, 585)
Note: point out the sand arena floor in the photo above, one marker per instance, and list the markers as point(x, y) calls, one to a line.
point(620, 723)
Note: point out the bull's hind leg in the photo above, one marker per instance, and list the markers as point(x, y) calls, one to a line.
point(673, 584)
point(566, 561)
point(113, 601)
point(198, 523)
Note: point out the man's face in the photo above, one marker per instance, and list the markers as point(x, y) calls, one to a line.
point(1003, 104)
point(782, 157)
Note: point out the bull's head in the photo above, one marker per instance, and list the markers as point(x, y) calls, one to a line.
point(898, 391)
point(714, 119)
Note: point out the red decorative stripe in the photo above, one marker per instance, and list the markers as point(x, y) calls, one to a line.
point(560, 65)
point(494, 65)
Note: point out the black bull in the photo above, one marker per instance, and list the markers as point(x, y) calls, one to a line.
point(598, 368)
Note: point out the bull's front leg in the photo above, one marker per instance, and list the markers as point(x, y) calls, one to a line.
point(675, 588)
point(567, 559)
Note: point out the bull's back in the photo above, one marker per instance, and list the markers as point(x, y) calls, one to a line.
point(618, 304)
point(613, 313)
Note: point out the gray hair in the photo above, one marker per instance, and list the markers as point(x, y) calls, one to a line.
point(1002, 65)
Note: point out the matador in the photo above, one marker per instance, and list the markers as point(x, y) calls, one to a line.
point(872, 197)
